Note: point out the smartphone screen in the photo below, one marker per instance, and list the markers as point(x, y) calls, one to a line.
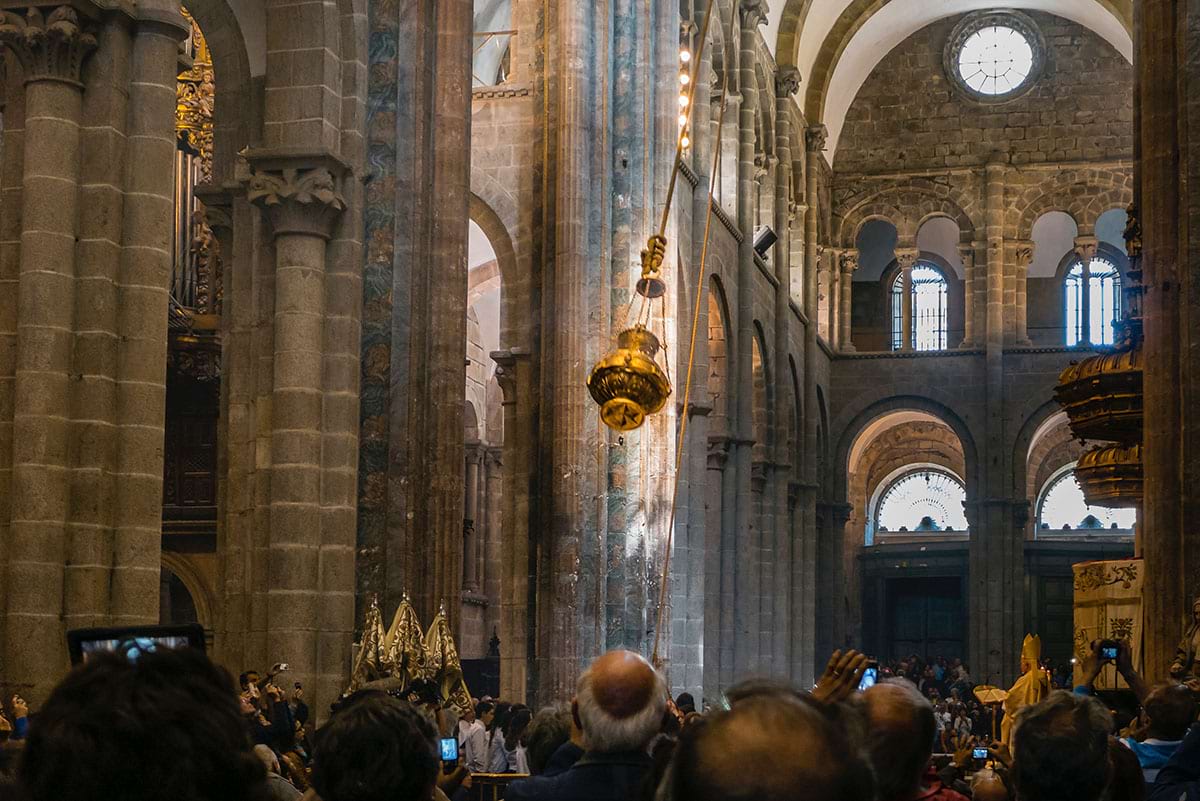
point(870, 676)
point(1108, 652)
point(449, 748)
point(979, 752)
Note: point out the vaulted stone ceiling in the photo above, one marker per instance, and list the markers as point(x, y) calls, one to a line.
point(837, 43)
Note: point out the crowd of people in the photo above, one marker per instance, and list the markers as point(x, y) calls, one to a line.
point(172, 725)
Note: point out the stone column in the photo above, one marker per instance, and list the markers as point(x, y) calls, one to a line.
point(141, 325)
point(996, 558)
point(302, 198)
point(752, 13)
point(489, 553)
point(787, 82)
point(1165, 40)
point(822, 607)
point(1085, 251)
point(471, 522)
point(50, 46)
point(906, 257)
point(967, 254)
point(514, 373)
point(12, 159)
point(849, 264)
point(1024, 257)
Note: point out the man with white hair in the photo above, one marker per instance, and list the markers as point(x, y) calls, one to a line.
point(619, 706)
point(278, 788)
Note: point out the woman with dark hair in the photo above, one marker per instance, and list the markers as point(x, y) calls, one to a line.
point(513, 733)
point(497, 759)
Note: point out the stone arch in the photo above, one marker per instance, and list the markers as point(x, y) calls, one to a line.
point(1082, 194)
point(196, 584)
point(880, 412)
point(1039, 422)
point(233, 130)
point(720, 352)
point(515, 327)
point(851, 44)
point(908, 206)
point(760, 415)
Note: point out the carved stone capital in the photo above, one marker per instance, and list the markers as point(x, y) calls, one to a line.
point(50, 44)
point(718, 452)
point(849, 261)
point(301, 193)
point(1024, 253)
point(1085, 247)
point(815, 137)
point(754, 13)
point(787, 81)
point(218, 207)
point(907, 257)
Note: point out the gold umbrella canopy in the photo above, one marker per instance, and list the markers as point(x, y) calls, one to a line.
point(445, 665)
point(370, 662)
point(404, 650)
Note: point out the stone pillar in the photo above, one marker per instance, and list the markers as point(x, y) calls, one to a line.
point(1024, 257)
point(996, 556)
point(489, 554)
point(141, 325)
point(1165, 40)
point(1085, 251)
point(514, 373)
point(967, 254)
point(849, 264)
point(906, 258)
point(50, 47)
point(302, 198)
point(787, 83)
point(752, 13)
point(471, 522)
point(823, 608)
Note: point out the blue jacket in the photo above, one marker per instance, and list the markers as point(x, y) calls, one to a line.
point(1179, 779)
point(595, 777)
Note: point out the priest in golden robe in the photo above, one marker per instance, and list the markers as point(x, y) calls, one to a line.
point(1031, 688)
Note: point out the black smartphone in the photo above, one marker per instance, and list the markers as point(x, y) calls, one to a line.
point(979, 752)
point(1109, 650)
point(449, 751)
point(132, 641)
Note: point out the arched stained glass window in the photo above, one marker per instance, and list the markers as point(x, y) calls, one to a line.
point(1092, 312)
point(1062, 507)
point(926, 499)
point(929, 302)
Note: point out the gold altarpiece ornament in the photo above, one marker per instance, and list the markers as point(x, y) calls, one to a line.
point(1103, 398)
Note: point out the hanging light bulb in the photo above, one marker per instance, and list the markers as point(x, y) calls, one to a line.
point(685, 55)
point(683, 101)
point(682, 120)
point(684, 79)
point(686, 142)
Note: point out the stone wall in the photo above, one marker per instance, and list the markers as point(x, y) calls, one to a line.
point(908, 115)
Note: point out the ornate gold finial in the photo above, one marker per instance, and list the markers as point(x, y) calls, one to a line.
point(651, 284)
point(195, 91)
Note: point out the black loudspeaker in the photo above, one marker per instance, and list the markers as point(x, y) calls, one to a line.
point(764, 240)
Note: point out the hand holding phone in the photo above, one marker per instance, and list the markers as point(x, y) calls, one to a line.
point(449, 752)
point(870, 677)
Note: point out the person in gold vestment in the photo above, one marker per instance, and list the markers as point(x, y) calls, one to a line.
point(1031, 688)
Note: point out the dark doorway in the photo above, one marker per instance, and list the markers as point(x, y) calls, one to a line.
point(925, 617)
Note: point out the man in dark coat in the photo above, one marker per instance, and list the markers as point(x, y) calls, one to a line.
point(619, 707)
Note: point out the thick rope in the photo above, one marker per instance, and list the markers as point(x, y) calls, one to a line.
point(691, 362)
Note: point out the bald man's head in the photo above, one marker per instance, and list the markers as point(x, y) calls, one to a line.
point(780, 748)
point(902, 728)
point(620, 702)
point(987, 786)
